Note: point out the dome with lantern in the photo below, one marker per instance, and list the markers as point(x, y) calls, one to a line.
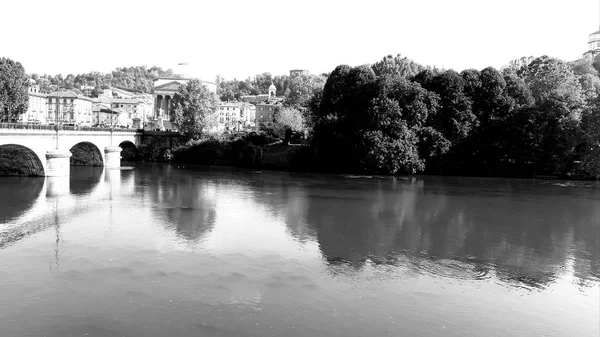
point(272, 91)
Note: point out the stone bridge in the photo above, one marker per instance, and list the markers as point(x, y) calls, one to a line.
point(46, 152)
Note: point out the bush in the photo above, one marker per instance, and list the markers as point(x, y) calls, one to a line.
point(260, 138)
point(245, 154)
point(203, 152)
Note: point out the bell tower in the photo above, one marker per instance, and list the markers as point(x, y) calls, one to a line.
point(272, 91)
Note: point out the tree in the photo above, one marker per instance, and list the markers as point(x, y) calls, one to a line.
point(194, 107)
point(590, 147)
point(397, 66)
point(552, 81)
point(302, 89)
point(13, 90)
point(454, 117)
point(291, 118)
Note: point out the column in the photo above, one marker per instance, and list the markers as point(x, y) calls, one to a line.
point(157, 106)
point(112, 157)
point(58, 163)
point(165, 110)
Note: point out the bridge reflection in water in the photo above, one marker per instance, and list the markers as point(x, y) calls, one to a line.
point(31, 204)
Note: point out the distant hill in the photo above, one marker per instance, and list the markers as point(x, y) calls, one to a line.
point(137, 79)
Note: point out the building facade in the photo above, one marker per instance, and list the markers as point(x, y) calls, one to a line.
point(37, 110)
point(593, 45)
point(266, 116)
point(102, 114)
point(69, 107)
point(235, 116)
point(298, 72)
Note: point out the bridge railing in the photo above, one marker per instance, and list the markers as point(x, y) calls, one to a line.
point(24, 126)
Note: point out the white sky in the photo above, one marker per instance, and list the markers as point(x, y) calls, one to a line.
point(244, 38)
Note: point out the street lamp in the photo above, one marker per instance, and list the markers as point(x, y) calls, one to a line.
point(112, 126)
point(56, 127)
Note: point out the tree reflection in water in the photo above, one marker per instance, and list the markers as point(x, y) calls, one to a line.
point(523, 231)
point(182, 200)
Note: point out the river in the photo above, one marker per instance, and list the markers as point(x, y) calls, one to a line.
point(159, 250)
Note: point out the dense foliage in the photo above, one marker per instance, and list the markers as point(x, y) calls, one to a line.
point(193, 108)
point(13, 90)
point(538, 116)
point(296, 91)
point(138, 79)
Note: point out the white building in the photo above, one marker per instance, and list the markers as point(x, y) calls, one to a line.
point(71, 108)
point(37, 110)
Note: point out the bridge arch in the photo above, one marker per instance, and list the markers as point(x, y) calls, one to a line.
point(128, 150)
point(19, 160)
point(86, 154)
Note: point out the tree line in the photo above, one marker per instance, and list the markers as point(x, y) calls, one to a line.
point(536, 116)
point(138, 79)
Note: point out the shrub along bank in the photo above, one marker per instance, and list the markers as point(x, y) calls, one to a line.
point(253, 151)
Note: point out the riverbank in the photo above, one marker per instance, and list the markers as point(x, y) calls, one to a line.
point(258, 151)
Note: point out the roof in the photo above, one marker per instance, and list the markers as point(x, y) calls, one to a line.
point(126, 100)
point(38, 94)
point(230, 103)
point(596, 32)
point(68, 94)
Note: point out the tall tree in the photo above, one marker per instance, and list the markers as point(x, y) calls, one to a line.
point(194, 106)
point(302, 88)
point(13, 90)
point(553, 82)
point(397, 66)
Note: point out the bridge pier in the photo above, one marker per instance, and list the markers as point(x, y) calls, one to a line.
point(57, 186)
point(112, 157)
point(57, 163)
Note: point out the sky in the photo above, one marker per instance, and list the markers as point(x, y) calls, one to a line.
point(238, 39)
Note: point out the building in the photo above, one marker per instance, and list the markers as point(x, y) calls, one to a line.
point(120, 93)
point(164, 91)
point(87, 90)
point(266, 116)
point(593, 45)
point(298, 72)
point(102, 114)
point(235, 116)
point(37, 110)
point(255, 98)
point(71, 108)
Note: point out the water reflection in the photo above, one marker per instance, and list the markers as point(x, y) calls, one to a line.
point(182, 201)
point(85, 178)
point(17, 195)
point(525, 232)
point(262, 254)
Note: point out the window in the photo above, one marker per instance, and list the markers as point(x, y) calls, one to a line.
point(270, 109)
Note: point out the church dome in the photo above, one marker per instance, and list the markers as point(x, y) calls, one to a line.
point(272, 87)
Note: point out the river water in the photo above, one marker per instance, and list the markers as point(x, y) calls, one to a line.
point(158, 250)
